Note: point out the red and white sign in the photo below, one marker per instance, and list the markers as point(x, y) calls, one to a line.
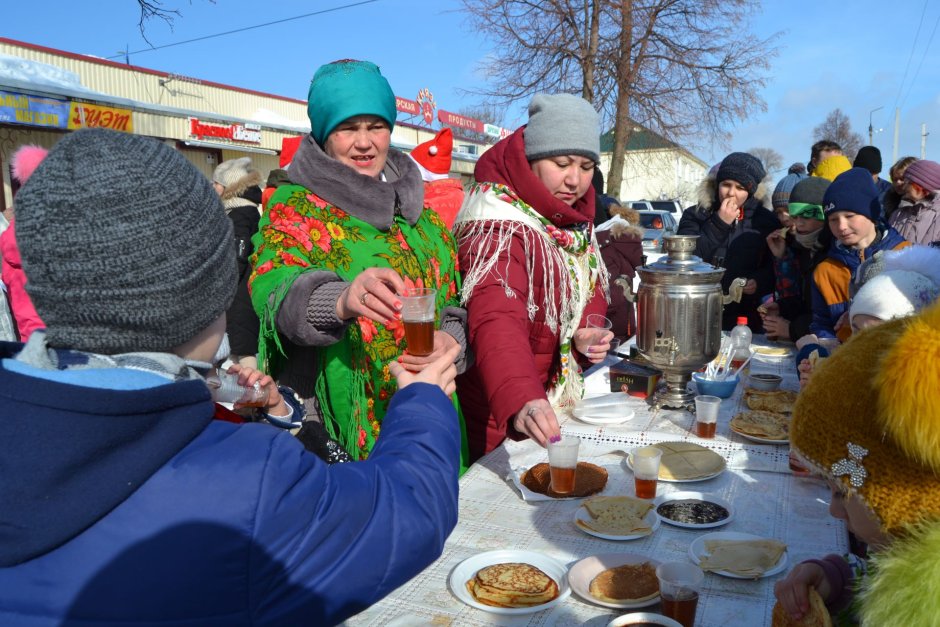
point(407, 106)
point(458, 121)
point(426, 101)
point(245, 133)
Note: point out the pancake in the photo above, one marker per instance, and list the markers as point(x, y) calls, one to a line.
point(630, 583)
point(817, 616)
point(776, 401)
point(762, 424)
point(616, 515)
point(684, 461)
point(588, 479)
point(747, 558)
point(512, 584)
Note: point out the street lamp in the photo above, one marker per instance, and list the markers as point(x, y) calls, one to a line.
point(871, 130)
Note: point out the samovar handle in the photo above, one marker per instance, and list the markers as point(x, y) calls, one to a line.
point(735, 291)
point(627, 285)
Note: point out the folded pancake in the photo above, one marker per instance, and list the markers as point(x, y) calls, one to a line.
point(777, 401)
point(817, 616)
point(685, 460)
point(616, 515)
point(762, 424)
point(588, 479)
point(773, 351)
point(747, 558)
point(512, 584)
point(630, 583)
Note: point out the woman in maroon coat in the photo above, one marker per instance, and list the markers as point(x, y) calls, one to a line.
point(532, 274)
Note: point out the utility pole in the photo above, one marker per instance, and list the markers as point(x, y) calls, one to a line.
point(871, 130)
point(897, 131)
point(923, 141)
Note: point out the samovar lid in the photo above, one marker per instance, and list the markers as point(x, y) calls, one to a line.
point(680, 260)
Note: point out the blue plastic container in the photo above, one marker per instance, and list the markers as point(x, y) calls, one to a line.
point(721, 389)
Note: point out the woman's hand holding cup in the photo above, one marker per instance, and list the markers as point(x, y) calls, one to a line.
point(372, 294)
point(537, 420)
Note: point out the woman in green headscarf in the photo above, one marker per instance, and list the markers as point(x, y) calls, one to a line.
point(335, 251)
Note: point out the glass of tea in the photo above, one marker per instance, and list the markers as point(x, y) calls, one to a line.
point(706, 415)
point(563, 463)
point(224, 388)
point(417, 314)
point(646, 471)
point(679, 587)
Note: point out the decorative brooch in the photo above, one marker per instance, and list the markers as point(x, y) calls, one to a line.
point(852, 466)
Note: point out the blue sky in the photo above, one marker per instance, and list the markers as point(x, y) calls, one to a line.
point(850, 55)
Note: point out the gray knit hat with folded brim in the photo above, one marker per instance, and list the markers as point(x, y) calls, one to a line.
point(562, 124)
point(125, 245)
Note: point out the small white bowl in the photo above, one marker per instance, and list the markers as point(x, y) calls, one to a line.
point(764, 382)
point(640, 618)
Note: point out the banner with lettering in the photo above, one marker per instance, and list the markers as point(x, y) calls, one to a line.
point(33, 110)
point(84, 115)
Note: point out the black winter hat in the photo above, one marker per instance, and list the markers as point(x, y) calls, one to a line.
point(868, 157)
point(744, 168)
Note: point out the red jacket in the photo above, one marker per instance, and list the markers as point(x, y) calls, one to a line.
point(27, 320)
point(444, 197)
point(514, 357)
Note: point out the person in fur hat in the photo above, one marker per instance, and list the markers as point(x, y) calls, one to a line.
point(732, 224)
point(869, 424)
point(237, 183)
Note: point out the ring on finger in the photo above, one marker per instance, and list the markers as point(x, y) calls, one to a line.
point(531, 411)
point(362, 299)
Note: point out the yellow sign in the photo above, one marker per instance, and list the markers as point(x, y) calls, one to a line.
point(84, 115)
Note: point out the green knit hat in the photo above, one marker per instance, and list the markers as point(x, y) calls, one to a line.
point(347, 88)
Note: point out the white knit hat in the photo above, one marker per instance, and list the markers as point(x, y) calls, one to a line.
point(910, 281)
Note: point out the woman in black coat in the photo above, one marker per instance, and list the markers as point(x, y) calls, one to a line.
point(733, 223)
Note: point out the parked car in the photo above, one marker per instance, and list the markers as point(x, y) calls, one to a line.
point(656, 225)
point(672, 206)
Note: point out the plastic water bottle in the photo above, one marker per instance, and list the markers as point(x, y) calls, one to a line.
point(740, 342)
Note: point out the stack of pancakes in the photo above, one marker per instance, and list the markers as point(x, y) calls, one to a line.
point(687, 461)
point(630, 583)
point(769, 417)
point(512, 585)
point(617, 515)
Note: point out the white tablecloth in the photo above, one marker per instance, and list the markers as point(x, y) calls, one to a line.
point(768, 499)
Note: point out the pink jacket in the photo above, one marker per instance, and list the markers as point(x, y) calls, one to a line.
point(27, 320)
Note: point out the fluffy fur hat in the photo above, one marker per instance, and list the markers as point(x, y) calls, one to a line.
point(908, 281)
point(870, 420)
point(25, 161)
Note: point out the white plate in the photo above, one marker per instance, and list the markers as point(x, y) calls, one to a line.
point(465, 570)
point(651, 519)
point(599, 418)
point(697, 552)
point(628, 463)
point(754, 438)
point(758, 355)
point(583, 573)
point(701, 496)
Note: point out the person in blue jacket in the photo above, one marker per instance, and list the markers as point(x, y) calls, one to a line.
point(124, 501)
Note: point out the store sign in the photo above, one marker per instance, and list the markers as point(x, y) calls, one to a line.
point(426, 101)
point(499, 132)
point(246, 133)
point(33, 110)
point(458, 121)
point(407, 106)
point(84, 115)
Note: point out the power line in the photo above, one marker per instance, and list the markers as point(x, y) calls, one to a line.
point(241, 30)
point(919, 65)
point(910, 56)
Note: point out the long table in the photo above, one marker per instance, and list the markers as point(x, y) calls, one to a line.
point(768, 499)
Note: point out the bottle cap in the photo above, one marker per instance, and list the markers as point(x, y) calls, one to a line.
point(742, 320)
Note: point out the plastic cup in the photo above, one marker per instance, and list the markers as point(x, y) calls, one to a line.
point(563, 463)
point(417, 314)
point(646, 471)
point(679, 587)
point(224, 388)
point(597, 321)
point(706, 415)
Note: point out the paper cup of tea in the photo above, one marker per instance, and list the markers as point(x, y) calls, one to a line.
point(646, 470)
point(563, 463)
point(417, 315)
point(706, 415)
point(679, 587)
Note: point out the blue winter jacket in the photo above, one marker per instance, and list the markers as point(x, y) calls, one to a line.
point(134, 507)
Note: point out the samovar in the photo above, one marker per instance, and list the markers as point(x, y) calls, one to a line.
point(678, 305)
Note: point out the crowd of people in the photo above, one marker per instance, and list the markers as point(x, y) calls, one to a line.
point(120, 468)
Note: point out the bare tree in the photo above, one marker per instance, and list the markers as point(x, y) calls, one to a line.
point(153, 9)
point(772, 160)
point(683, 68)
point(838, 129)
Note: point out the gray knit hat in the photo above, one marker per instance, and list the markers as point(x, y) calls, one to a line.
point(125, 245)
point(562, 124)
